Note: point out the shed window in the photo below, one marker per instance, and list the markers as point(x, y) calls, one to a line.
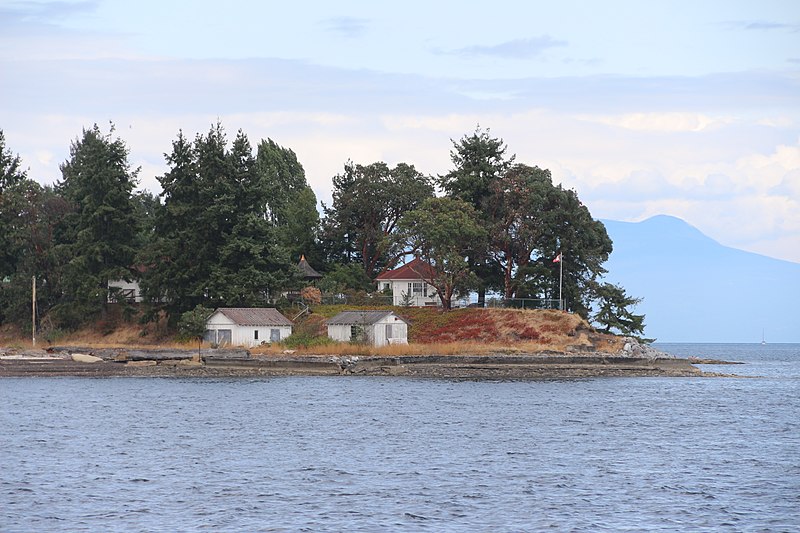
point(255, 335)
point(274, 335)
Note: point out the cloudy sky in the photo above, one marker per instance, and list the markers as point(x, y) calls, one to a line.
point(671, 107)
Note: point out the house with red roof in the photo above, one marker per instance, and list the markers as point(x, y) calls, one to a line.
point(409, 284)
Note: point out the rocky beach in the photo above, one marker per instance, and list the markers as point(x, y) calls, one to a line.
point(634, 359)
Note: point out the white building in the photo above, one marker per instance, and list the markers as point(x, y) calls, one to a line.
point(120, 290)
point(377, 328)
point(246, 326)
point(409, 286)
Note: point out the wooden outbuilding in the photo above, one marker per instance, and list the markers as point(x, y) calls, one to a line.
point(377, 328)
point(237, 326)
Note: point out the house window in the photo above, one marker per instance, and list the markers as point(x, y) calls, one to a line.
point(418, 289)
point(274, 335)
point(255, 335)
point(387, 286)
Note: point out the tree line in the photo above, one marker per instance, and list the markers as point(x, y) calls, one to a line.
point(231, 223)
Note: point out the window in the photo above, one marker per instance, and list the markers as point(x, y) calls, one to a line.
point(418, 289)
point(255, 335)
point(389, 332)
point(358, 334)
point(274, 335)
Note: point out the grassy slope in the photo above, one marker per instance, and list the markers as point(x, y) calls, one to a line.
point(472, 331)
point(460, 331)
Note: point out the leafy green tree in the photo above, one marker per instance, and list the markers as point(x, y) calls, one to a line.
point(291, 205)
point(192, 325)
point(343, 277)
point(479, 161)
point(613, 313)
point(32, 216)
point(368, 202)
point(584, 245)
point(518, 220)
point(443, 232)
point(100, 235)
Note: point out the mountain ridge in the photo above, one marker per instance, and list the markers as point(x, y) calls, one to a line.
point(695, 289)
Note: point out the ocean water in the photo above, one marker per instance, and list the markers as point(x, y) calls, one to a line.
point(399, 454)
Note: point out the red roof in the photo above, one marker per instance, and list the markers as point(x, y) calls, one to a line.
point(416, 269)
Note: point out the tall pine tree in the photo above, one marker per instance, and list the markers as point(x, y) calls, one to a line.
point(99, 236)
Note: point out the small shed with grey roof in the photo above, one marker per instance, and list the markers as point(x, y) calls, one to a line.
point(237, 326)
point(377, 328)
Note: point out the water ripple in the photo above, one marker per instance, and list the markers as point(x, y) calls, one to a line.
point(367, 454)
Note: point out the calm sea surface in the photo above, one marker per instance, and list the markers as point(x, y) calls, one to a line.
point(399, 454)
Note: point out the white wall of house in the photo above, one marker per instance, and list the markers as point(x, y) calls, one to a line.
point(222, 330)
point(126, 290)
point(377, 334)
point(423, 294)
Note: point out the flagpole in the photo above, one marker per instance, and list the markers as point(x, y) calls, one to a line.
point(560, 280)
point(33, 311)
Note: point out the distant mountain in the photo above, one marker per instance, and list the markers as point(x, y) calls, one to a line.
point(697, 290)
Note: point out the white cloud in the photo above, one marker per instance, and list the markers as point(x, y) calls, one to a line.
point(660, 122)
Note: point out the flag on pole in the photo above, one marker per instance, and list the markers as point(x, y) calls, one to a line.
point(558, 258)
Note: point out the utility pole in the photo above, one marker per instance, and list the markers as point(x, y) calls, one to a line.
point(33, 312)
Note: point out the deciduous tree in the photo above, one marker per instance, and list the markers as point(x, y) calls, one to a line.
point(443, 232)
point(368, 202)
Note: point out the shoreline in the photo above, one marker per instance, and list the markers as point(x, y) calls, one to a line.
point(240, 363)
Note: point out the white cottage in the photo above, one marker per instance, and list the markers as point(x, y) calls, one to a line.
point(246, 326)
point(120, 290)
point(409, 284)
point(377, 328)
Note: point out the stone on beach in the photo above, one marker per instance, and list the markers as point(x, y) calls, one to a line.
point(85, 358)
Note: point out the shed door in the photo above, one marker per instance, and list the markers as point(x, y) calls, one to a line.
point(223, 336)
point(389, 332)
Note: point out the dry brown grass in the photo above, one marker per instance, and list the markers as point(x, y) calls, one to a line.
point(433, 332)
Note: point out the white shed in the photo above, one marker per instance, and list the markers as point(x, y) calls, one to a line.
point(377, 328)
point(246, 326)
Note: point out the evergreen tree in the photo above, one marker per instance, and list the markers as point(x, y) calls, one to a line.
point(11, 175)
point(479, 161)
point(100, 235)
point(217, 242)
point(612, 310)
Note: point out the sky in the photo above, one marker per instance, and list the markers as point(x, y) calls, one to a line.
point(684, 108)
